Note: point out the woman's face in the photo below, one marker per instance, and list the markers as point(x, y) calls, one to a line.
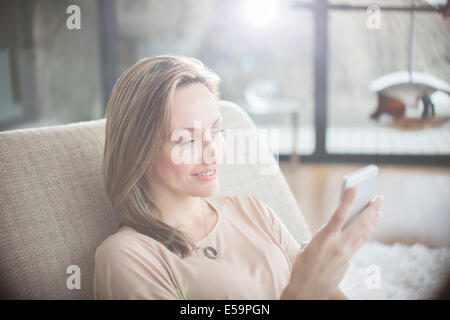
point(188, 152)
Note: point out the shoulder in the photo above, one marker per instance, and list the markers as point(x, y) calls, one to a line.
point(126, 243)
point(129, 265)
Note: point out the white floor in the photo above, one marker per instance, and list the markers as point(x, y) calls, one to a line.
point(366, 140)
point(430, 141)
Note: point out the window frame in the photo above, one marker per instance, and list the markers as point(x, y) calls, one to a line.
point(320, 9)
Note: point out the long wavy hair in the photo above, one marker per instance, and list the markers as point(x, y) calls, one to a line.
point(137, 123)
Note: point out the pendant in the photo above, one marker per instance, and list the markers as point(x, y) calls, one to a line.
point(210, 252)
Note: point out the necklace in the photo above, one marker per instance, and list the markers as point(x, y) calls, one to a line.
point(208, 251)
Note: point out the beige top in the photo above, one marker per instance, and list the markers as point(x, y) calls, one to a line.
point(254, 261)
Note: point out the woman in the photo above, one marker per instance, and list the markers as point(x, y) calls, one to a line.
point(174, 243)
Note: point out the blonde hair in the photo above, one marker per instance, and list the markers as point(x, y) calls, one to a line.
point(137, 123)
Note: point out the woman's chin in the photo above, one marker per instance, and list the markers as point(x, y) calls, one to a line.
point(208, 190)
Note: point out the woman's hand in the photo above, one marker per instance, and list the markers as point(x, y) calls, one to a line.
point(321, 264)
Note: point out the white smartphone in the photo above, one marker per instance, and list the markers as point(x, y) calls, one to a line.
point(365, 179)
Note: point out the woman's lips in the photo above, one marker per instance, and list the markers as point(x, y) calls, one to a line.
point(206, 177)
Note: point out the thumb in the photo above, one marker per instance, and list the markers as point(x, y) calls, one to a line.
point(340, 214)
point(303, 244)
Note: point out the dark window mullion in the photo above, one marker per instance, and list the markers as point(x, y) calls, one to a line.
point(320, 76)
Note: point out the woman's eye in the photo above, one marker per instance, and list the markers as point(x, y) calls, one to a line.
point(183, 143)
point(187, 142)
point(218, 130)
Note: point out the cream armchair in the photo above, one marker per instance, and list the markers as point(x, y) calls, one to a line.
point(54, 211)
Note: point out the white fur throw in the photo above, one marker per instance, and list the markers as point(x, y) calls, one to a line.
point(379, 271)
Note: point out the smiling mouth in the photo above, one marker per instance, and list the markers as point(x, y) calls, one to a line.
point(205, 173)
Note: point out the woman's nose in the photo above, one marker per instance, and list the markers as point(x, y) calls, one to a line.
point(207, 137)
point(210, 148)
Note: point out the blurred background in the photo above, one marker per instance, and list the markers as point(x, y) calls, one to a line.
point(316, 70)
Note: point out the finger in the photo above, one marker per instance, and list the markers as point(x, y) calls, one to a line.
point(340, 214)
point(366, 219)
point(359, 239)
point(301, 248)
point(358, 243)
